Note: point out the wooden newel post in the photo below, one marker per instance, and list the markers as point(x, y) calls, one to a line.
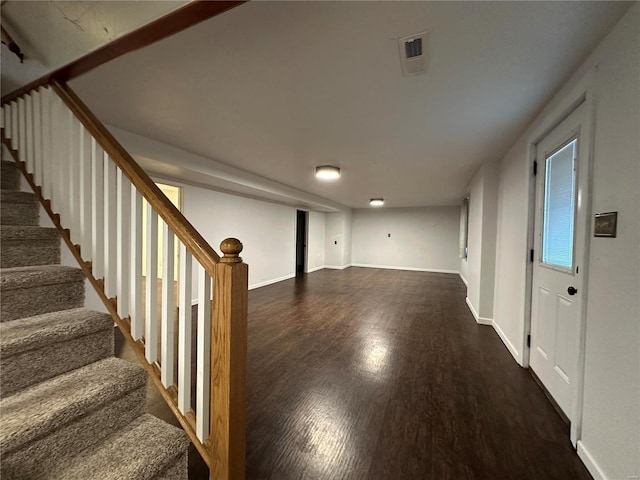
point(229, 364)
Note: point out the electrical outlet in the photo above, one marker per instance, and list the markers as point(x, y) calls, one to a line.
point(335, 242)
point(389, 235)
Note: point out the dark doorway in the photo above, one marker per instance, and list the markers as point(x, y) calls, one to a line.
point(301, 242)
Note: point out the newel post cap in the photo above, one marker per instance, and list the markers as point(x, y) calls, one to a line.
point(231, 247)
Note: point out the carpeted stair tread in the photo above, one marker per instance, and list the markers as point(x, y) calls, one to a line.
point(14, 196)
point(28, 233)
point(28, 277)
point(42, 409)
point(31, 333)
point(37, 348)
point(142, 450)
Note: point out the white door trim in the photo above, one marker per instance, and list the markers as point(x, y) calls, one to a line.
point(582, 92)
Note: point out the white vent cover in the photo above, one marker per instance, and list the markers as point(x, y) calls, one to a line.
point(413, 53)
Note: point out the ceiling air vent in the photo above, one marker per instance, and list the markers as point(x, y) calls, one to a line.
point(412, 53)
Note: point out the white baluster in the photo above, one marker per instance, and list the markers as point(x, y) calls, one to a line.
point(3, 120)
point(110, 228)
point(151, 317)
point(22, 130)
point(84, 175)
point(124, 243)
point(59, 140)
point(184, 332)
point(168, 308)
point(136, 313)
point(72, 174)
point(47, 153)
point(14, 125)
point(97, 210)
point(203, 355)
point(28, 130)
point(37, 137)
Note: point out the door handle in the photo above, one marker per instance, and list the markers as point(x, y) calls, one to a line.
point(572, 290)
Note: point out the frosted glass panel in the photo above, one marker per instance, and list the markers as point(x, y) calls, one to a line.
point(559, 207)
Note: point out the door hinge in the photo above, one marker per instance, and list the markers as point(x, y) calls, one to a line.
point(531, 255)
point(528, 341)
point(535, 168)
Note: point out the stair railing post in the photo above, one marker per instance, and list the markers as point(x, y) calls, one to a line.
point(229, 364)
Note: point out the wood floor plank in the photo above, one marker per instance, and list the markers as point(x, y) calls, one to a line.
point(383, 374)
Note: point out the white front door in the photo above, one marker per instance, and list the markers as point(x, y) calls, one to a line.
point(558, 270)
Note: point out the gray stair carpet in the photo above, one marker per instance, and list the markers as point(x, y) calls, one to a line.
point(18, 208)
point(68, 408)
point(28, 245)
point(34, 290)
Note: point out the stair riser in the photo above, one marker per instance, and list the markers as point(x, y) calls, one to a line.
point(28, 302)
point(54, 450)
point(34, 366)
point(22, 253)
point(178, 471)
point(10, 179)
point(22, 214)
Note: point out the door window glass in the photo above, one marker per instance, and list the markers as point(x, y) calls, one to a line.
point(559, 207)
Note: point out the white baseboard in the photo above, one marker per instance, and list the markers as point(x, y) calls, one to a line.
point(337, 267)
point(513, 350)
point(411, 269)
point(464, 280)
point(315, 269)
point(479, 320)
point(269, 282)
point(589, 462)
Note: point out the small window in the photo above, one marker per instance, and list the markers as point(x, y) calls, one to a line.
point(464, 229)
point(559, 207)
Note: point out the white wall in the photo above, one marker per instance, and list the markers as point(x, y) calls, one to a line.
point(421, 238)
point(316, 241)
point(611, 417)
point(338, 240)
point(267, 230)
point(479, 266)
point(610, 438)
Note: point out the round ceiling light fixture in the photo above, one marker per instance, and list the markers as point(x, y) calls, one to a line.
point(376, 202)
point(327, 172)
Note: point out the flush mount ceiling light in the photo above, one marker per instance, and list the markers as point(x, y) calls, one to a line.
point(327, 172)
point(376, 202)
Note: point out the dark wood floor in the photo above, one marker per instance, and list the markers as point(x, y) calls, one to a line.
point(382, 374)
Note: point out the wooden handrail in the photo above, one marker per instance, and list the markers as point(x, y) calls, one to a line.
point(180, 19)
point(197, 245)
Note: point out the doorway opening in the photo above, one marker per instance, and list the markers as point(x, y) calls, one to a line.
point(301, 242)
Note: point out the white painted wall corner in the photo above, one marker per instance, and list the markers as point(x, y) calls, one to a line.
point(337, 267)
point(273, 280)
point(411, 269)
point(479, 320)
point(513, 350)
point(594, 469)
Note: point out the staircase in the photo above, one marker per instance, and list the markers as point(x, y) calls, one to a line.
point(68, 408)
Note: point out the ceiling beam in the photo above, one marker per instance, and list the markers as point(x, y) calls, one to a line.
point(180, 19)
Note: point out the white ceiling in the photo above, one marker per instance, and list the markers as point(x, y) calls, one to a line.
point(52, 34)
point(276, 88)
